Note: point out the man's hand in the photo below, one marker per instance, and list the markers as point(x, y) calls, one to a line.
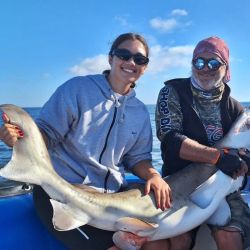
point(230, 163)
point(161, 190)
point(245, 155)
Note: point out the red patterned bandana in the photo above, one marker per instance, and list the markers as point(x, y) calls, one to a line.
point(216, 46)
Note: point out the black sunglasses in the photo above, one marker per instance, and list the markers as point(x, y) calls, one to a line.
point(213, 64)
point(126, 55)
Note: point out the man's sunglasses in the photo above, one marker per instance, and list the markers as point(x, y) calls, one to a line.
point(213, 64)
point(126, 55)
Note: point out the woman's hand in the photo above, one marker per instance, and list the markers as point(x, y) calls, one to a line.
point(9, 133)
point(161, 190)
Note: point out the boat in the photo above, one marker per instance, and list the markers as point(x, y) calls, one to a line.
point(21, 228)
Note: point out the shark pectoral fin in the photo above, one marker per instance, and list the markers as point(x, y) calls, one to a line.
point(204, 194)
point(221, 216)
point(135, 226)
point(63, 219)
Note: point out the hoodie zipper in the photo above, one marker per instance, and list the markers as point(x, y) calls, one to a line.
point(105, 146)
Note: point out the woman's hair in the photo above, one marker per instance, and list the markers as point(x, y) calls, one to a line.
point(128, 36)
point(124, 37)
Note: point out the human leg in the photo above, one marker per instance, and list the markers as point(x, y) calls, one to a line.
point(114, 248)
point(185, 241)
point(182, 242)
point(228, 240)
point(236, 233)
point(158, 244)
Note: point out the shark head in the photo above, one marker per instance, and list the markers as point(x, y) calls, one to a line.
point(239, 134)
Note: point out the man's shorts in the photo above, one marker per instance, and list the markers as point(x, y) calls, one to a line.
point(240, 217)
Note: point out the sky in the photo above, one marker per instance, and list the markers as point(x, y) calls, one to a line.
point(43, 43)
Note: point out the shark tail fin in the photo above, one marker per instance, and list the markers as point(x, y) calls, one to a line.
point(30, 159)
point(18, 170)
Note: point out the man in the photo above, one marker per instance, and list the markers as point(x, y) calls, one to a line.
point(192, 114)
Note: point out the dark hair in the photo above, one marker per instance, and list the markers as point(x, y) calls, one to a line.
point(128, 36)
point(124, 37)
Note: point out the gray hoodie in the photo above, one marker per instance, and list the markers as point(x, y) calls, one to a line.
point(95, 135)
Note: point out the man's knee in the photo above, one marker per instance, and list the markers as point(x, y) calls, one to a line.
point(182, 242)
point(226, 239)
point(158, 244)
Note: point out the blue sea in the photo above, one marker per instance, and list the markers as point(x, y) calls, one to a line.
point(5, 152)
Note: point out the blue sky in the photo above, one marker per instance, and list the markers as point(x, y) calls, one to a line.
point(46, 42)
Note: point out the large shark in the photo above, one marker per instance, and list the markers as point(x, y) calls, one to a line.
point(197, 190)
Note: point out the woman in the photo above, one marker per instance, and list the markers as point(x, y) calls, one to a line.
point(95, 128)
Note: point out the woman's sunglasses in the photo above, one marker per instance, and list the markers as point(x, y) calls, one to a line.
point(213, 64)
point(126, 55)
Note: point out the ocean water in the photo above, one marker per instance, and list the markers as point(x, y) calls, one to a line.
point(5, 152)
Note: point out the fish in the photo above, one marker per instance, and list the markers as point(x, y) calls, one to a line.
point(197, 190)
